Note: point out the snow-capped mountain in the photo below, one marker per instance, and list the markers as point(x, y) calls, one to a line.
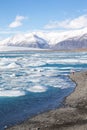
point(61, 40)
point(79, 42)
point(25, 40)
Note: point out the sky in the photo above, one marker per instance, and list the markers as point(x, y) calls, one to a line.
point(21, 16)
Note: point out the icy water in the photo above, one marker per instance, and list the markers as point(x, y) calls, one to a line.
point(34, 82)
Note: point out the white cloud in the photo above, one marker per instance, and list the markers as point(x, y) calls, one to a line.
point(77, 23)
point(17, 22)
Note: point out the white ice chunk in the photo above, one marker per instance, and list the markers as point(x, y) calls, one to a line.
point(11, 93)
point(37, 89)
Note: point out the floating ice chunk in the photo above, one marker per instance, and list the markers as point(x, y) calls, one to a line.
point(62, 86)
point(13, 75)
point(37, 89)
point(13, 65)
point(11, 93)
point(35, 63)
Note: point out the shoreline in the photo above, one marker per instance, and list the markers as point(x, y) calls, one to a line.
point(73, 116)
point(27, 49)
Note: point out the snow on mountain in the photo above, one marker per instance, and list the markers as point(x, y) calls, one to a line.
point(48, 40)
point(54, 37)
point(25, 40)
point(78, 42)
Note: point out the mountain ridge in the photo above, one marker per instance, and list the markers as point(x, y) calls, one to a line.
point(67, 40)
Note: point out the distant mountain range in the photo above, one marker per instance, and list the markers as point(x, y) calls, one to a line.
point(79, 42)
point(68, 40)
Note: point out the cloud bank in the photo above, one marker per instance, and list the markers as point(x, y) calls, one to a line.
point(76, 23)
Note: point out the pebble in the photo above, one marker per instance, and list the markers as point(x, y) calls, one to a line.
point(5, 126)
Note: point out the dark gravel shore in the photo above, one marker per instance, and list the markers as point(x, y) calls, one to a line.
point(73, 116)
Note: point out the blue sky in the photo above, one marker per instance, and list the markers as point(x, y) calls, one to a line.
point(28, 15)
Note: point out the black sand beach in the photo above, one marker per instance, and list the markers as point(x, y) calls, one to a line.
point(72, 116)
